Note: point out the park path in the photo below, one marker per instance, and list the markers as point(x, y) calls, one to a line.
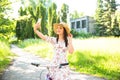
point(21, 69)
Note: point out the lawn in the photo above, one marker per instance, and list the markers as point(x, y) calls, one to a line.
point(97, 56)
point(94, 56)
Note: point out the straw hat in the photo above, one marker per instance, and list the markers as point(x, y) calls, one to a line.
point(62, 24)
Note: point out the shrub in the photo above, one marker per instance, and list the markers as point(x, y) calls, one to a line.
point(80, 34)
point(74, 33)
point(5, 54)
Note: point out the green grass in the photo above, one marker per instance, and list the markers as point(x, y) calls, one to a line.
point(38, 47)
point(5, 55)
point(95, 56)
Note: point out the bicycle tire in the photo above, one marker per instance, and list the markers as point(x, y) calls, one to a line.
point(43, 74)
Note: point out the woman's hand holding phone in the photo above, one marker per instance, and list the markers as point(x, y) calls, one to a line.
point(39, 20)
point(37, 25)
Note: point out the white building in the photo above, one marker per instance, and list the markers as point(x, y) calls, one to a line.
point(85, 24)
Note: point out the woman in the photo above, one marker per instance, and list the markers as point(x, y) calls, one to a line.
point(61, 44)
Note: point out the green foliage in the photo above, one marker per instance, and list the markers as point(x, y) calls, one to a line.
point(29, 33)
point(22, 12)
point(115, 27)
point(6, 26)
point(106, 19)
point(39, 12)
point(77, 34)
point(74, 33)
point(47, 11)
point(33, 13)
point(54, 13)
point(43, 15)
point(52, 18)
point(75, 15)
point(96, 56)
point(38, 47)
point(97, 63)
point(5, 54)
point(4, 5)
point(58, 18)
point(24, 29)
point(28, 16)
point(28, 42)
point(64, 12)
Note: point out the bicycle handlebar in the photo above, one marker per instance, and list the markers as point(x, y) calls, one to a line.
point(60, 65)
point(63, 64)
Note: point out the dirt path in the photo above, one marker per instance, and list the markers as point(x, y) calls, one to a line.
point(23, 70)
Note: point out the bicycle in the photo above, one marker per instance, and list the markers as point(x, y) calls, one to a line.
point(45, 73)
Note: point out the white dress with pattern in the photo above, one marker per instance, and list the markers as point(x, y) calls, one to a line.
point(60, 52)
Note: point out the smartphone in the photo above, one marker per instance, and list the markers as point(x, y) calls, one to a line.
point(39, 20)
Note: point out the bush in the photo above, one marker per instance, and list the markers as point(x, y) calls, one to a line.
point(80, 34)
point(74, 33)
point(5, 54)
point(24, 29)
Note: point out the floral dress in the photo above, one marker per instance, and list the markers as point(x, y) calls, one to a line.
point(60, 52)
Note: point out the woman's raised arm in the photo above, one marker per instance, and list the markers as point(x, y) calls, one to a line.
point(40, 34)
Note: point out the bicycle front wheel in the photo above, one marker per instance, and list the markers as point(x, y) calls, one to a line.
point(43, 74)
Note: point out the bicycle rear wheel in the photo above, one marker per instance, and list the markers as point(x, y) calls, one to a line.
point(43, 74)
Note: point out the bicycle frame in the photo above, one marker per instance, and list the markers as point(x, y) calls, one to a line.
point(46, 72)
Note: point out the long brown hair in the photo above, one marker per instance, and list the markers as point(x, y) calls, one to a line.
point(65, 37)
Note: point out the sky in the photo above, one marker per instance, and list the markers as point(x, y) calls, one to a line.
point(85, 6)
point(88, 7)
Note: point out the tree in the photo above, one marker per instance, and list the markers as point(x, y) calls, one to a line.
point(75, 15)
point(118, 17)
point(6, 25)
point(43, 15)
point(29, 15)
point(24, 28)
point(53, 17)
point(29, 33)
point(47, 12)
point(4, 6)
point(105, 17)
point(58, 17)
point(116, 24)
point(64, 12)
point(50, 19)
point(100, 28)
point(22, 11)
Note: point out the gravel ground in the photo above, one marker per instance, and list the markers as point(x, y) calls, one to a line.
point(21, 69)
